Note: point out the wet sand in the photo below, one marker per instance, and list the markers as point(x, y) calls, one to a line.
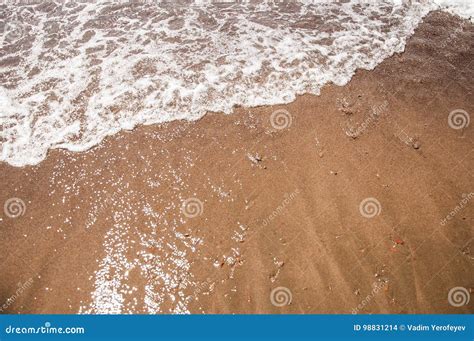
point(354, 201)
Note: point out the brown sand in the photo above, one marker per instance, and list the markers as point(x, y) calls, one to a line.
point(280, 208)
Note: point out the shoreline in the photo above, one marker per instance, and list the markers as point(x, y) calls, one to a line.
point(239, 108)
point(150, 84)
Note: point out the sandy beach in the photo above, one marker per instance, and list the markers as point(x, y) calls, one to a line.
point(359, 200)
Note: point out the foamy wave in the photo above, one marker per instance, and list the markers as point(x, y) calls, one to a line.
point(74, 73)
point(461, 8)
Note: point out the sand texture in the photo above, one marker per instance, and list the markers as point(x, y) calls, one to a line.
point(359, 200)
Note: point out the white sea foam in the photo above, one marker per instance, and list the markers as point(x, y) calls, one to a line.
point(461, 8)
point(73, 73)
